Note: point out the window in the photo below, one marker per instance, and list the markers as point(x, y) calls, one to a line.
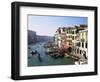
point(86, 45)
point(79, 44)
point(84, 55)
point(77, 50)
point(59, 31)
point(64, 29)
point(80, 51)
point(72, 32)
point(73, 37)
point(82, 45)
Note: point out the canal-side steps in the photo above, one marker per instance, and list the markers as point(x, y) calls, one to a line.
point(78, 59)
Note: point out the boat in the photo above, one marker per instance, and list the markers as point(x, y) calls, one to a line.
point(34, 52)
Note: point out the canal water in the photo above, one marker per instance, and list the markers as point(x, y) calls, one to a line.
point(33, 60)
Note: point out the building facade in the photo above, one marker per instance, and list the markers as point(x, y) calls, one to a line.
point(75, 37)
point(80, 49)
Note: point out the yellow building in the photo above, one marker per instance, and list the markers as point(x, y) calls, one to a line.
point(81, 47)
point(83, 41)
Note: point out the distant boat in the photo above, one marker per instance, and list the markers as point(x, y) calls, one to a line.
point(34, 52)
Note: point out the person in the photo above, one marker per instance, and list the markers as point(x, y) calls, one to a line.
point(40, 59)
point(32, 53)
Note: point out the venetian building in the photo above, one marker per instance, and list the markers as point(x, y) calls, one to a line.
point(82, 44)
point(60, 37)
point(69, 36)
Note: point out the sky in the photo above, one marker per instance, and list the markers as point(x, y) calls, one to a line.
point(47, 25)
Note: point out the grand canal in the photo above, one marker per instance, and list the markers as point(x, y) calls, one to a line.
point(33, 60)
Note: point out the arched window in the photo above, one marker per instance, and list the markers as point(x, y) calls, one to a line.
point(82, 44)
point(86, 45)
point(84, 55)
